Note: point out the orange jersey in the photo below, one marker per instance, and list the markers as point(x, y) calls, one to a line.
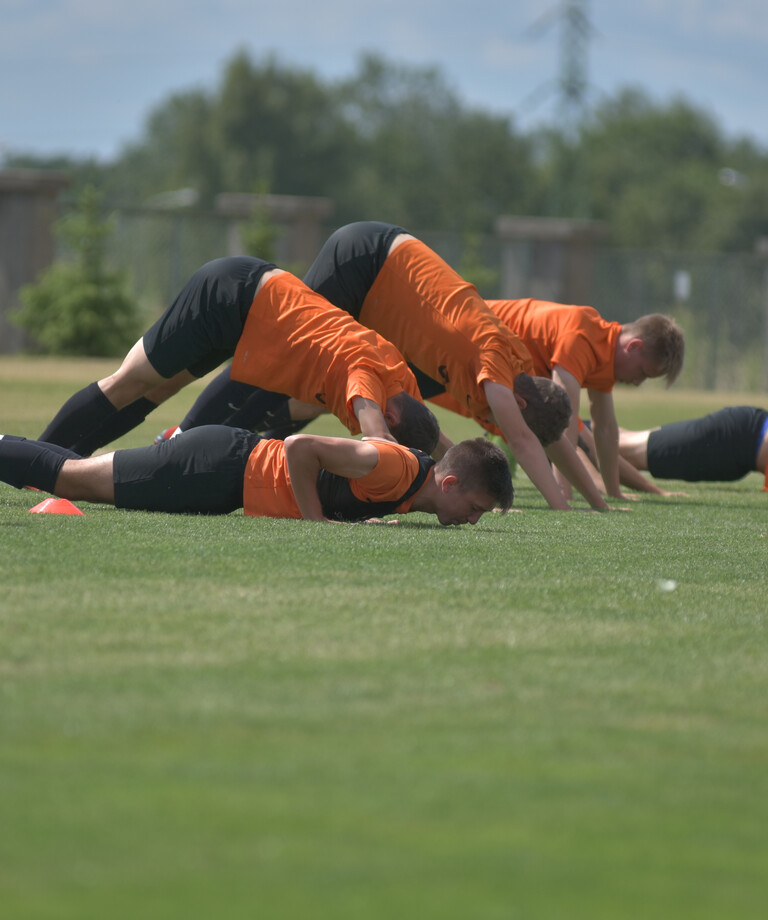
point(576, 338)
point(440, 323)
point(267, 488)
point(296, 342)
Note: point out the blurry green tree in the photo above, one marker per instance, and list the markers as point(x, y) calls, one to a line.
point(79, 307)
point(395, 143)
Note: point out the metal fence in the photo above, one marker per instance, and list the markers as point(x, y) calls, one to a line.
point(720, 300)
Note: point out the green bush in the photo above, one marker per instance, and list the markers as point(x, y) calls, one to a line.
point(78, 307)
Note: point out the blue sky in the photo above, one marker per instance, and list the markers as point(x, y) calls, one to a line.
point(81, 76)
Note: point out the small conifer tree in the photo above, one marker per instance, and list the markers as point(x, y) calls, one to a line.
point(79, 307)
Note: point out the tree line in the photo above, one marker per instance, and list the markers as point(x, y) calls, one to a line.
point(395, 143)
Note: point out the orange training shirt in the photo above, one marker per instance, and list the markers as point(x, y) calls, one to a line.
point(267, 488)
point(440, 323)
point(295, 342)
point(575, 337)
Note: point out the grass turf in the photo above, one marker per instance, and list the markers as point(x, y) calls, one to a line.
point(231, 717)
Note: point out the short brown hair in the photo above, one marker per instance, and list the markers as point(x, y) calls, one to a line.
point(418, 427)
point(664, 343)
point(548, 408)
point(479, 465)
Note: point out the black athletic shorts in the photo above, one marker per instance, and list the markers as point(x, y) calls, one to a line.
point(199, 472)
point(720, 447)
point(348, 263)
point(201, 328)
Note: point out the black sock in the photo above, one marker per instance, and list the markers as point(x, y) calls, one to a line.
point(256, 410)
point(218, 400)
point(81, 414)
point(123, 421)
point(279, 423)
point(31, 463)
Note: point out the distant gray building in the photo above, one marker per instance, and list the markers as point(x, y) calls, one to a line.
point(28, 210)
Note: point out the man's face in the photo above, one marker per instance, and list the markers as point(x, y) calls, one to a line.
point(456, 506)
point(631, 364)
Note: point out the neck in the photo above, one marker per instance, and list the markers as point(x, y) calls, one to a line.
point(425, 499)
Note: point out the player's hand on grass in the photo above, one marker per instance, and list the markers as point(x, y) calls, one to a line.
point(623, 497)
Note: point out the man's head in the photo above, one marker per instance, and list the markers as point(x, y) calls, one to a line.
point(411, 423)
point(544, 405)
point(471, 478)
point(652, 346)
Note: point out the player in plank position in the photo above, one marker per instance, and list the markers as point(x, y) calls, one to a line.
point(720, 447)
point(578, 349)
point(283, 336)
point(393, 283)
point(215, 469)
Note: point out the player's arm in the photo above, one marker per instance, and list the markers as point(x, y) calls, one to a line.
point(628, 474)
point(523, 443)
point(573, 388)
point(563, 454)
point(605, 431)
point(590, 467)
point(371, 419)
point(307, 454)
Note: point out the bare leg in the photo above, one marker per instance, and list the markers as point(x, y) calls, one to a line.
point(89, 479)
point(136, 377)
point(633, 447)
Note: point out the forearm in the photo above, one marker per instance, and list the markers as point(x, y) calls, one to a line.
point(605, 434)
point(594, 473)
point(524, 444)
point(572, 435)
point(564, 455)
point(371, 419)
point(607, 449)
point(530, 455)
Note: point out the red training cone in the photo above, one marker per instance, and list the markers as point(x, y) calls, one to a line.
point(55, 506)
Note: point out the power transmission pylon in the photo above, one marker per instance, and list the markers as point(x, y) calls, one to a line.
point(572, 90)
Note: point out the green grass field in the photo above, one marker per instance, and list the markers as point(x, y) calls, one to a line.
point(234, 718)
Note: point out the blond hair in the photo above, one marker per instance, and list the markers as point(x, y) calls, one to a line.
point(664, 343)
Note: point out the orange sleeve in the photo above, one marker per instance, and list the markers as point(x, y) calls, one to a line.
point(364, 381)
point(267, 489)
point(394, 472)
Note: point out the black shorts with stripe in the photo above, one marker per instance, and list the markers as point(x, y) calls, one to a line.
point(720, 447)
point(201, 328)
point(199, 472)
